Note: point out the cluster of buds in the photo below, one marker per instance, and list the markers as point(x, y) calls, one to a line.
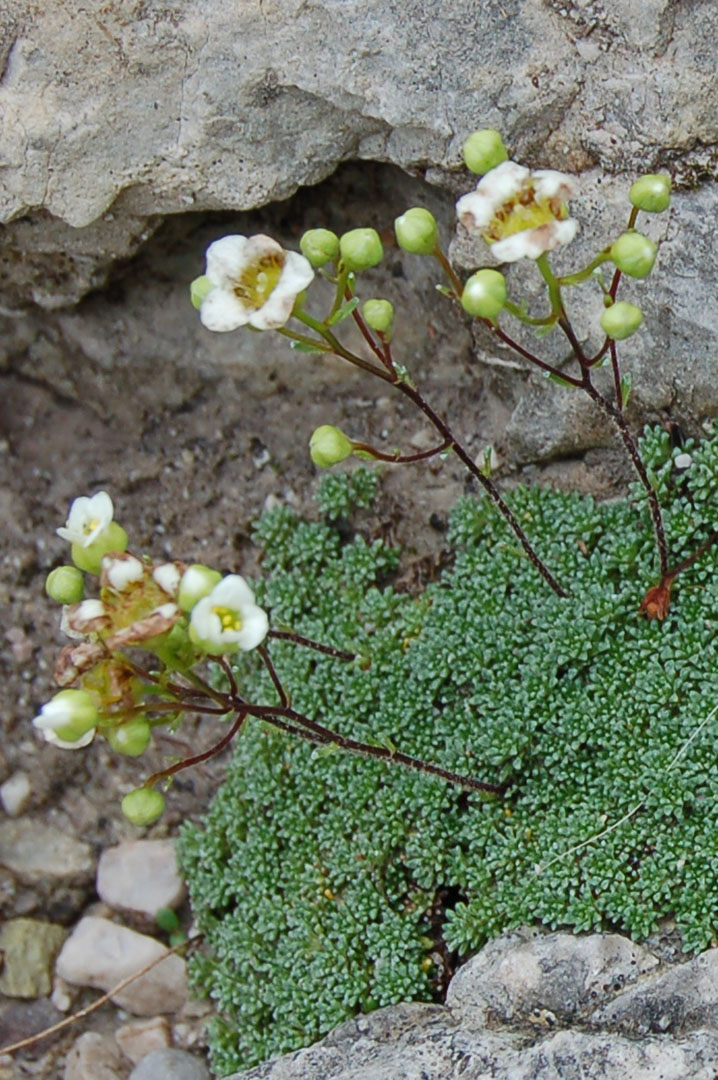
point(181, 614)
point(519, 213)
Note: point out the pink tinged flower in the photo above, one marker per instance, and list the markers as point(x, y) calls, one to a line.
point(255, 283)
point(520, 214)
point(89, 517)
point(228, 619)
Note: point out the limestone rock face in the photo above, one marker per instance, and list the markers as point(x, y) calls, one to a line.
point(519, 1011)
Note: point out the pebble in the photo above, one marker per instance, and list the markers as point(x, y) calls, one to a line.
point(36, 852)
point(140, 876)
point(138, 1038)
point(15, 793)
point(170, 1065)
point(28, 948)
point(95, 1057)
point(99, 953)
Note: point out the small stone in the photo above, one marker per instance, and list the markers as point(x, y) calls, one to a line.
point(99, 953)
point(29, 948)
point(15, 793)
point(63, 994)
point(140, 876)
point(36, 852)
point(138, 1038)
point(95, 1057)
point(170, 1065)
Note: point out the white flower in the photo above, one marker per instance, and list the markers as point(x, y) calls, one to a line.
point(89, 516)
point(520, 214)
point(255, 283)
point(228, 619)
point(68, 720)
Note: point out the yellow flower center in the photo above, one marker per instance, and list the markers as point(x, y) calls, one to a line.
point(229, 619)
point(524, 211)
point(259, 279)
point(90, 526)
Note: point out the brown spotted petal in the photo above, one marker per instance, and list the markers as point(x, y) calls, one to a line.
point(157, 622)
point(74, 660)
point(87, 617)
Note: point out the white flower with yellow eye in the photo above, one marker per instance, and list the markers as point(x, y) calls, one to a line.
point(89, 517)
point(252, 282)
point(228, 619)
point(520, 214)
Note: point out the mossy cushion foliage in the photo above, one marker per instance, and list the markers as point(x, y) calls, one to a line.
point(325, 882)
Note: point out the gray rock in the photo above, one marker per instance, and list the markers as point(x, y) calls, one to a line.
point(680, 999)
point(524, 976)
point(140, 876)
point(170, 1064)
point(510, 1014)
point(101, 954)
point(15, 793)
point(28, 948)
point(38, 853)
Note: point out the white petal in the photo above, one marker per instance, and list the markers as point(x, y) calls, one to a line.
point(205, 623)
point(531, 243)
point(549, 184)
point(226, 259)
point(78, 744)
point(503, 182)
point(121, 571)
point(255, 627)
point(167, 576)
point(232, 592)
point(222, 311)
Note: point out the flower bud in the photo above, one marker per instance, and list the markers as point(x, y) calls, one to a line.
point(360, 249)
point(328, 446)
point(89, 559)
point(197, 581)
point(131, 738)
point(199, 290)
point(319, 246)
point(651, 192)
point(65, 584)
point(621, 320)
point(379, 315)
point(143, 806)
point(417, 232)
point(484, 294)
point(68, 718)
point(484, 150)
point(634, 254)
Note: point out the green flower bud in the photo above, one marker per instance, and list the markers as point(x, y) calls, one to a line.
point(634, 254)
point(361, 249)
point(651, 192)
point(328, 446)
point(68, 716)
point(621, 320)
point(65, 584)
point(417, 232)
point(484, 294)
point(89, 559)
point(143, 806)
point(197, 581)
point(484, 150)
point(379, 315)
point(199, 290)
point(131, 738)
point(319, 246)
